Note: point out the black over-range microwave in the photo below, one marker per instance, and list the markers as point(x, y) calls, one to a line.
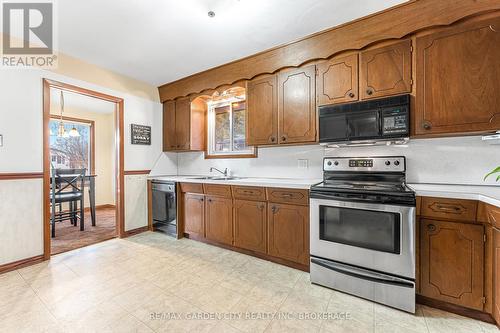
point(382, 119)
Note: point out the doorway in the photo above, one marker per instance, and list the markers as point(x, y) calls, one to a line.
point(69, 129)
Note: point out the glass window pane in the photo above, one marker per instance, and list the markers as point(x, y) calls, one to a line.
point(222, 129)
point(70, 152)
point(239, 142)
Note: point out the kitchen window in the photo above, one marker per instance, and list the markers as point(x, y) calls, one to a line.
point(227, 130)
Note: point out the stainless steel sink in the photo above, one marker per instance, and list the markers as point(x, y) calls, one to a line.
point(226, 178)
point(205, 178)
point(216, 178)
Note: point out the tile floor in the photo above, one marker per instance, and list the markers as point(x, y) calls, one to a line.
point(151, 283)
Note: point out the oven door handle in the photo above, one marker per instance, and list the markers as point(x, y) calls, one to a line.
point(363, 274)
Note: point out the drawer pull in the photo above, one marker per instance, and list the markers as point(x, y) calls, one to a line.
point(274, 209)
point(248, 192)
point(431, 227)
point(453, 209)
point(287, 195)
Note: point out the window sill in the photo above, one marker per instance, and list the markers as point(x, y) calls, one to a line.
point(254, 155)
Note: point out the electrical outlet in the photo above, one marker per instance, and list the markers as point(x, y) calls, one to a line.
point(302, 164)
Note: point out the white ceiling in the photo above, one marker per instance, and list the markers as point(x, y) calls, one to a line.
point(159, 41)
point(79, 102)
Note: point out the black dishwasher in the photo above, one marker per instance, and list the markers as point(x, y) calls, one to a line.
point(164, 207)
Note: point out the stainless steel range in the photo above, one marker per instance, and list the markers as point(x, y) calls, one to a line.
point(363, 230)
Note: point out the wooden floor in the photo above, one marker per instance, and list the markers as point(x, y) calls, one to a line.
point(69, 237)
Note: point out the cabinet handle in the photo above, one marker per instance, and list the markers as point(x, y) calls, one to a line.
point(283, 138)
point(431, 227)
point(448, 208)
point(273, 139)
point(209, 200)
point(261, 206)
point(426, 125)
point(369, 91)
point(201, 199)
point(351, 95)
point(248, 192)
point(274, 209)
point(287, 195)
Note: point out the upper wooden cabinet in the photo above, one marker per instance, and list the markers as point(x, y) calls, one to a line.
point(184, 125)
point(282, 108)
point(297, 105)
point(337, 80)
point(458, 79)
point(452, 262)
point(386, 70)
point(262, 111)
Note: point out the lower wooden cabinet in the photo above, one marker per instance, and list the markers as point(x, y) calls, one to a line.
point(219, 219)
point(452, 262)
point(288, 232)
point(496, 275)
point(250, 225)
point(194, 214)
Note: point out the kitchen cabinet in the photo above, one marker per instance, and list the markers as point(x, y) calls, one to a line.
point(337, 80)
point(250, 225)
point(458, 78)
point(288, 232)
point(452, 262)
point(262, 111)
point(385, 70)
point(194, 214)
point(297, 105)
point(219, 219)
point(496, 275)
point(184, 125)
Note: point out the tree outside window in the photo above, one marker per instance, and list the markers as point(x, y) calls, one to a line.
point(70, 152)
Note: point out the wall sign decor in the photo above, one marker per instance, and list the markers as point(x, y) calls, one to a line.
point(140, 134)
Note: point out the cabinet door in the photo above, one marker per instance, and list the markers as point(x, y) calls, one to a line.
point(262, 111)
point(337, 80)
point(386, 70)
point(452, 262)
point(496, 275)
point(288, 232)
point(194, 214)
point(219, 219)
point(183, 123)
point(250, 227)
point(297, 105)
point(458, 79)
point(169, 143)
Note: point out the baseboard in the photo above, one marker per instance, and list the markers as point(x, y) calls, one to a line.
point(457, 309)
point(135, 231)
point(100, 207)
point(20, 264)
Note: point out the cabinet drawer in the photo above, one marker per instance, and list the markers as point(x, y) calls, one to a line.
point(453, 209)
point(191, 188)
point(249, 193)
point(285, 195)
point(219, 190)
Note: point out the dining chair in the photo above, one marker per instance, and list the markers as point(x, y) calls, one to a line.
point(67, 186)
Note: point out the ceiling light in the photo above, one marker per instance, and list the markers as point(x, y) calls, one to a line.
point(211, 14)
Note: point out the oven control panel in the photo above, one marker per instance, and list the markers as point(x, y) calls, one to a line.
point(365, 164)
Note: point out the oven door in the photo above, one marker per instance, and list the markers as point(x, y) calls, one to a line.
point(374, 236)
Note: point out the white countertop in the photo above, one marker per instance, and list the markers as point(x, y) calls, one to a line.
point(245, 181)
point(487, 194)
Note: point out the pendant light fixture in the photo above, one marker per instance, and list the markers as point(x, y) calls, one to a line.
point(61, 131)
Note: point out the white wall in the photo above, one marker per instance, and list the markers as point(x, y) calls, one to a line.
point(136, 202)
point(463, 160)
point(21, 125)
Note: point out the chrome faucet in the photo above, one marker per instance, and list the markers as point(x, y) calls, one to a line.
point(225, 172)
